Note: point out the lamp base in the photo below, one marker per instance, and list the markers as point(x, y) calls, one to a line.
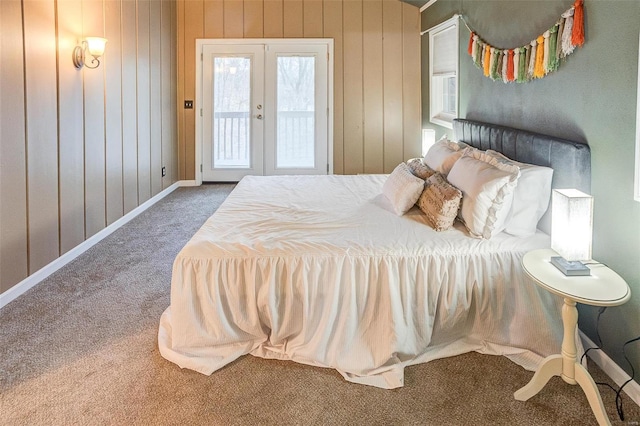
point(570, 268)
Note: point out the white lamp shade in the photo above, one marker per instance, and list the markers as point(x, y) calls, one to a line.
point(428, 140)
point(572, 224)
point(96, 45)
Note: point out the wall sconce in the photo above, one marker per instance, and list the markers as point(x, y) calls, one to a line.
point(571, 230)
point(95, 46)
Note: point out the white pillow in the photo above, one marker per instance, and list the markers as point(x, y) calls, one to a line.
point(487, 191)
point(530, 199)
point(402, 188)
point(443, 154)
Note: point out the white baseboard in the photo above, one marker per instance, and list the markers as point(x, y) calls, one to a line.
point(35, 278)
point(188, 183)
point(613, 370)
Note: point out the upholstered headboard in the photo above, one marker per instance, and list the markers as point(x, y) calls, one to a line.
point(570, 161)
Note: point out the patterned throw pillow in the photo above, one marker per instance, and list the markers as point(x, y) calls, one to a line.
point(439, 202)
point(418, 168)
point(402, 188)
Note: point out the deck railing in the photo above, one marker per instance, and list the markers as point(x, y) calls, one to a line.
point(231, 139)
point(295, 143)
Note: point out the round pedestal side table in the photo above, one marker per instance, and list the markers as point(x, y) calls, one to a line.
point(602, 288)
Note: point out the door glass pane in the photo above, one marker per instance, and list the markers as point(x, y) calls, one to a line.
point(231, 113)
point(295, 144)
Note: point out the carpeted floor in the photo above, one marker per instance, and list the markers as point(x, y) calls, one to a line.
point(81, 348)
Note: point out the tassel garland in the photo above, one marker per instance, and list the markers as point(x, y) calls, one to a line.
point(486, 60)
point(577, 34)
point(545, 59)
point(536, 59)
point(523, 65)
point(497, 65)
point(492, 62)
point(567, 47)
point(559, 39)
point(538, 70)
point(474, 46)
point(511, 64)
point(532, 59)
point(553, 58)
point(479, 50)
point(505, 65)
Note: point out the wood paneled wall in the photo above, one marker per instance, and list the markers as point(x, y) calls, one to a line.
point(81, 148)
point(377, 97)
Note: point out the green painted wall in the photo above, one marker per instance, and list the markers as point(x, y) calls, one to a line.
point(592, 99)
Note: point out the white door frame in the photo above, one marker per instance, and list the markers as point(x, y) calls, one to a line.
point(227, 41)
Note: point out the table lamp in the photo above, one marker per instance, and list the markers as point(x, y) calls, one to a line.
point(571, 230)
point(428, 140)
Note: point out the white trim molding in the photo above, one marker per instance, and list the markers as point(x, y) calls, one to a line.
point(426, 5)
point(441, 24)
point(269, 44)
point(611, 369)
point(636, 186)
point(38, 276)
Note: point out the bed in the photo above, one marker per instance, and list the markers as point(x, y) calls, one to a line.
point(319, 270)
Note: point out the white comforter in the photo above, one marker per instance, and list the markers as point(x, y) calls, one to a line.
point(319, 270)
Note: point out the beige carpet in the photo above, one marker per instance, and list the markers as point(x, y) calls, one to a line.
point(81, 348)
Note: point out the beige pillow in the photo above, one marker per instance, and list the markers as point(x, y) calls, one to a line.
point(419, 169)
point(439, 202)
point(402, 188)
point(443, 154)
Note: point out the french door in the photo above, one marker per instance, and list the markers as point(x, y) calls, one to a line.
point(265, 108)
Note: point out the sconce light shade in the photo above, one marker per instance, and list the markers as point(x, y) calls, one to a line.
point(571, 228)
point(95, 46)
